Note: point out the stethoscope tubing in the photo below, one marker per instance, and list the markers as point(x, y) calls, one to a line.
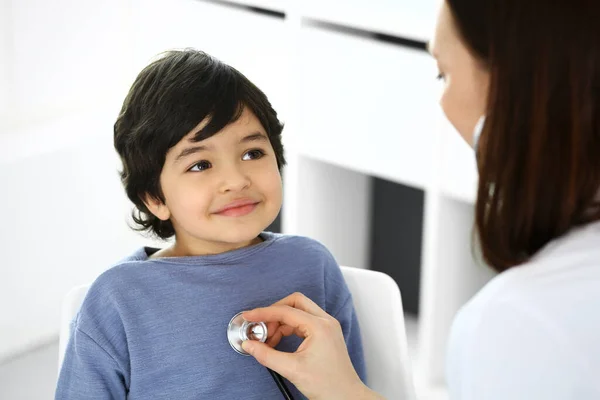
point(285, 391)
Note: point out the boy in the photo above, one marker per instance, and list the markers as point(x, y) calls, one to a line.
point(202, 154)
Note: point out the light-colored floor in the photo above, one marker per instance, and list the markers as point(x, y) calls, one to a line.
point(31, 376)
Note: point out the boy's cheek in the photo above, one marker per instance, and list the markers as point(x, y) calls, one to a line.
point(273, 185)
point(276, 194)
point(193, 202)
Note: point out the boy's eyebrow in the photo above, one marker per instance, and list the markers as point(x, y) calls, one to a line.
point(189, 150)
point(258, 136)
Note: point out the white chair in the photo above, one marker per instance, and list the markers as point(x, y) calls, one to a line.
point(379, 310)
point(378, 306)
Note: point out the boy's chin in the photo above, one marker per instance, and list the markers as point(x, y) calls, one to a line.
point(239, 236)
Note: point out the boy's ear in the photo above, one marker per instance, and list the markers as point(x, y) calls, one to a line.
point(157, 207)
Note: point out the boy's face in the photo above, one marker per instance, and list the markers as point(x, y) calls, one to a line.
point(220, 193)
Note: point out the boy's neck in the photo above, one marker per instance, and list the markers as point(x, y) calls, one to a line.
point(183, 249)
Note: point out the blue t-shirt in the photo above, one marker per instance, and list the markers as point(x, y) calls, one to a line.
point(156, 328)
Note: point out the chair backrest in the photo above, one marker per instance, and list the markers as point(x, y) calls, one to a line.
point(378, 306)
point(380, 314)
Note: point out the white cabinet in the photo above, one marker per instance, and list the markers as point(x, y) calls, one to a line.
point(408, 19)
point(268, 5)
point(366, 105)
point(254, 44)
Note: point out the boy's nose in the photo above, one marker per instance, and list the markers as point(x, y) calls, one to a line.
point(234, 179)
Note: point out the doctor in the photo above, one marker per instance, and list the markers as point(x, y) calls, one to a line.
point(532, 68)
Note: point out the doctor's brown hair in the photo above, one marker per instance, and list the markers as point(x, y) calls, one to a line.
point(539, 152)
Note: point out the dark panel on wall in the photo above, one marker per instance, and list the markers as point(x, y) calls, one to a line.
point(396, 235)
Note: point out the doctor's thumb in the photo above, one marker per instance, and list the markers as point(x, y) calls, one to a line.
point(278, 361)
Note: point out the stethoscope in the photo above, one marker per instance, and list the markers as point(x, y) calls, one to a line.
point(239, 330)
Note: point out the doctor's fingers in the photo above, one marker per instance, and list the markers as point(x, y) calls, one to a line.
point(297, 301)
point(279, 361)
point(280, 332)
point(276, 331)
point(325, 327)
point(273, 333)
point(301, 321)
point(311, 326)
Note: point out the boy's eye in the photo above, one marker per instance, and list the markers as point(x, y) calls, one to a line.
point(200, 166)
point(253, 155)
point(441, 77)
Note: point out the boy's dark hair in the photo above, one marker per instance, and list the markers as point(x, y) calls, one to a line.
point(168, 99)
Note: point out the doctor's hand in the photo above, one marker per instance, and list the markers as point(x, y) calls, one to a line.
point(321, 367)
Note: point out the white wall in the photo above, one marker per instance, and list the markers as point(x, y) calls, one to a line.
point(63, 223)
point(63, 209)
point(66, 56)
point(5, 65)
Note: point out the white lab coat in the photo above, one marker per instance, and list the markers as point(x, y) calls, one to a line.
point(534, 331)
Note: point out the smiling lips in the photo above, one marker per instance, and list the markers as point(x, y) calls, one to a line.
point(238, 208)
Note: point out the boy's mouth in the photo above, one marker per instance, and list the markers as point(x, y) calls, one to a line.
point(238, 208)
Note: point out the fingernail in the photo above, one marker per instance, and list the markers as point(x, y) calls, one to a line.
point(245, 312)
point(248, 346)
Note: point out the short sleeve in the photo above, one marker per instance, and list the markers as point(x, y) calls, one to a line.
point(96, 363)
point(89, 372)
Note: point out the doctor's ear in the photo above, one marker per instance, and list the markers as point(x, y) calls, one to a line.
point(157, 207)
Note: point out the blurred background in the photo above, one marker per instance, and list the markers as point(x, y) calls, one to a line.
point(375, 172)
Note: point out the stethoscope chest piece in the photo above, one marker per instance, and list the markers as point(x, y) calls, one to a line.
point(240, 330)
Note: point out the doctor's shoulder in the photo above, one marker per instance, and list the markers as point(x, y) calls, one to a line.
point(555, 288)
